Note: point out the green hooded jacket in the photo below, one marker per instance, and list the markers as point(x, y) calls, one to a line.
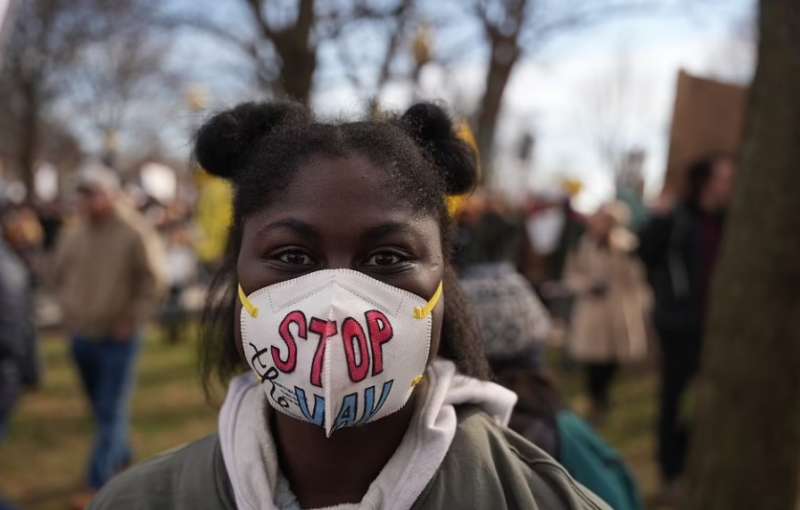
point(487, 467)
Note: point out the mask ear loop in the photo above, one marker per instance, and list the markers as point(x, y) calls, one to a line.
point(247, 304)
point(423, 312)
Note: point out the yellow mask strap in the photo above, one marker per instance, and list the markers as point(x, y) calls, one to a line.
point(423, 312)
point(247, 304)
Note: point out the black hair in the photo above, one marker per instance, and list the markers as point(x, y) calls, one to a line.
point(699, 174)
point(260, 146)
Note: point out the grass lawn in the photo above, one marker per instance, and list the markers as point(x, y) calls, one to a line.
point(43, 460)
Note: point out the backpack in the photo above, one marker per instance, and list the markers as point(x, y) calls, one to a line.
point(595, 464)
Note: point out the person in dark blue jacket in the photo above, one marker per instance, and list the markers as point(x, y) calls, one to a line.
point(17, 336)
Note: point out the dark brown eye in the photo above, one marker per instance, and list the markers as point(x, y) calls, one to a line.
point(295, 258)
point(384, 258)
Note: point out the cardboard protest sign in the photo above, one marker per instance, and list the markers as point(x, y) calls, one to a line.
point(708, 117)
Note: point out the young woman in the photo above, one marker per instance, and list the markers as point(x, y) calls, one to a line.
point(364, 384)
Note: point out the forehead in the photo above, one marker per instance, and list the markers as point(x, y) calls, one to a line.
point(340, 179)
point(342, 192)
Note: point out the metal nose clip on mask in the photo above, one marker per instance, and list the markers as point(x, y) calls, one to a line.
point(336, 347)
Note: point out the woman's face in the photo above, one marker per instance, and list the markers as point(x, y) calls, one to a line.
point(342, 213)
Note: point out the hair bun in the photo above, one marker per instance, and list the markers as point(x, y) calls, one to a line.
point(431, 127)
point(224, 142)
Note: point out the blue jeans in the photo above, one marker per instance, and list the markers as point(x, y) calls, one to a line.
point(5, 505)
point(106, 367)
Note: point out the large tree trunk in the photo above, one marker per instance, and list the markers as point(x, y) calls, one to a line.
point(504, 54)
point(746, 448)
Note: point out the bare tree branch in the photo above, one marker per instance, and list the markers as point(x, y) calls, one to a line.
point(283, 53)
point(401, 15)
point(257, 10)
point(265, 69)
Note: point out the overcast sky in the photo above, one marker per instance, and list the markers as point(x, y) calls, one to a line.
point(552, 94)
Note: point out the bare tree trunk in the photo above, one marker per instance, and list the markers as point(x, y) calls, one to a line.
point(392, 46)
point(504, 55)
point(298, 54)
point(285, 58)
point(294, 47)
point(28, 142)
point(746, 449)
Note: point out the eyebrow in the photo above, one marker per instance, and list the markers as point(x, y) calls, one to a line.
point(375, 234)
point(298, 227)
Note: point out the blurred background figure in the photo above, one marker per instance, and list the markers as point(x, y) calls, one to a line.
point(19, 367)
point(680, 247)
point(51, 218)
point(544, 418)
point(24, 234)
point(13, 336)
point(22, 237)
point(513, 321)
point(553, 228)
point(181, 270)
point(515, 327)
point(108, 277)
point(612, 300)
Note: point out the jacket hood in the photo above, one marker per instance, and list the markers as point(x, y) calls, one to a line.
point(250, 455)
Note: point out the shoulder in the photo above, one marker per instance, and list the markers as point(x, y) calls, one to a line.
point(489, 466)
point(141, 236)
point(190, 477)
point(74, 231)
point(132, 225)
point(132, 222)
point(12, 273)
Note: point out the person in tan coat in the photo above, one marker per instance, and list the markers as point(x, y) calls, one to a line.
point(611, 302)
point(108, 279)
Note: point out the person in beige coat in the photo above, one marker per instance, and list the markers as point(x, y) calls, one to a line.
point(611, 301)
point(108, 273)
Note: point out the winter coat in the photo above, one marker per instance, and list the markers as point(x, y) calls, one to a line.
point(108, 274)
point(607, 325)
point(18, 361)
point(487, 467)
point(673, 248)
point(456, 453)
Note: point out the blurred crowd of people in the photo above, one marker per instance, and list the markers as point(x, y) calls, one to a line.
point(111, 260)
point(605, 292)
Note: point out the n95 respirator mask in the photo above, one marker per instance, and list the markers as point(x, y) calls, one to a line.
point(336, 347)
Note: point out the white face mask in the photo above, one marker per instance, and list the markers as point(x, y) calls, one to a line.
point(336, 347)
